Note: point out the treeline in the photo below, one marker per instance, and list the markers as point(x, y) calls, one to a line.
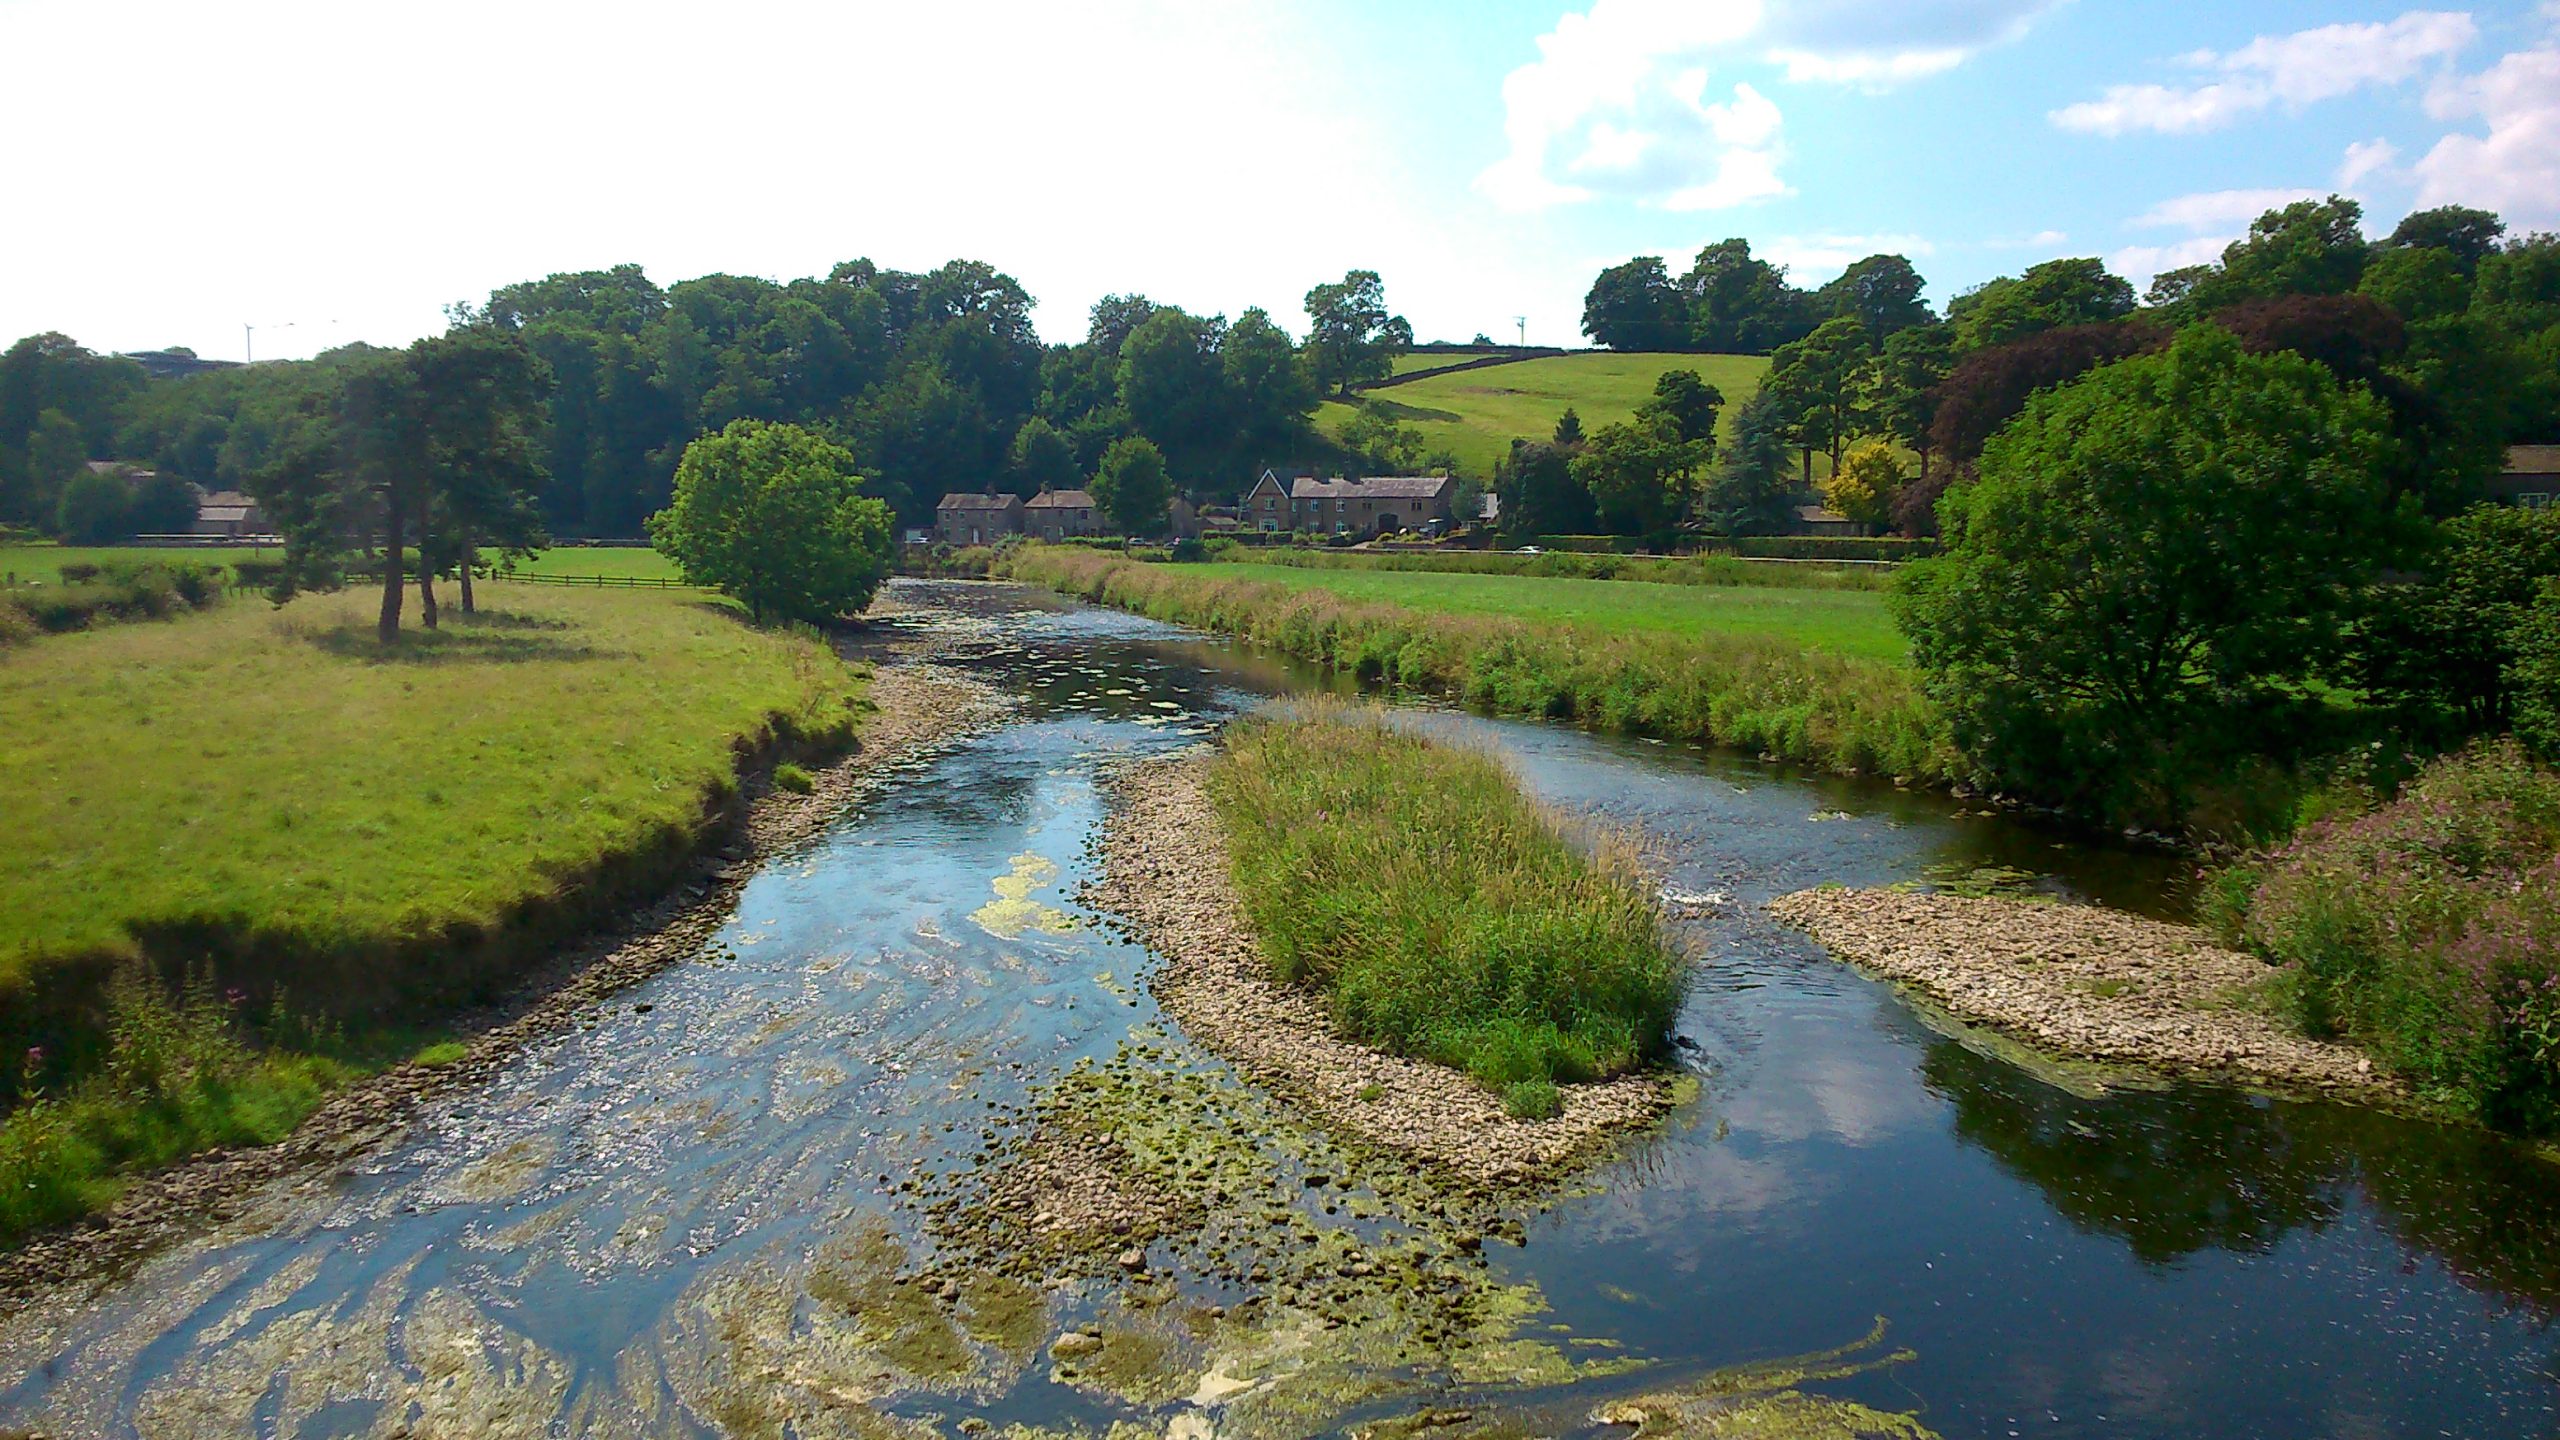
point(934, 381)
point(2451, 325)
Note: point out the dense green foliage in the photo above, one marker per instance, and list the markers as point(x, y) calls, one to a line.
point(2143, 583)
point(2427, 929)
point(1759, 671)
point(2448, 645)
point(1441, 911)
point(775, 516)
point(1132, 487)
point(152, 588)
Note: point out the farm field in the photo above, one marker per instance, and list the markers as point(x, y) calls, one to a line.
point(1413, 360)
point(632, 561)
point(1476, 414)
point(273, 770)
point(42, 564)
point(1833, 621)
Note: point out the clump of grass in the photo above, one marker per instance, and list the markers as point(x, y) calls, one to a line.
point(1442, 912)
point(443, 1052)
point(2428, 930)
point(1761, 693)
point(177, 1077)
point(787, 776)
point(1531, 1099)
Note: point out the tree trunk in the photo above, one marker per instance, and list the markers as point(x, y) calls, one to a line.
point(426, 593)
point(468, 554)
point(388, 628)
point(1808, 467)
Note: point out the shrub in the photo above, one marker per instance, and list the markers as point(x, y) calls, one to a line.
point(1439, 909)
point(791, 777)
point(2533, 678)
point(80, 572)
point(1531, 1099)
point(2428, 930)
point(1188, 551)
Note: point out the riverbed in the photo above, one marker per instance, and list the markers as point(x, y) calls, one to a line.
point(734, 1200)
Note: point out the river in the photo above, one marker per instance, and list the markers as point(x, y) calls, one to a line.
point(627, 1230)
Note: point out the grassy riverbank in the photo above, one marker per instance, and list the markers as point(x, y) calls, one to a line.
point(315, 826)
point(1438, 908)
point(1714, 684)
point(1711, 570)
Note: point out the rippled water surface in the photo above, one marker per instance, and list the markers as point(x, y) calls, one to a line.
point(595, 1242)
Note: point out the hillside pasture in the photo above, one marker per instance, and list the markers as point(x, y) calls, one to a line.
point(1476, 414)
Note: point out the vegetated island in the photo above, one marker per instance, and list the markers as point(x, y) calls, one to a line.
point(1387, 930)
point(2087, 983)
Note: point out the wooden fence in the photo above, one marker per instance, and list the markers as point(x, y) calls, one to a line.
point(601, 582)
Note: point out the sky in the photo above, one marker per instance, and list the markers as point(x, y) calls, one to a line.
point(334, 172)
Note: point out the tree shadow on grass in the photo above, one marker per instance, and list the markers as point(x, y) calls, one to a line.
point(1404, 414)
point(490, 637)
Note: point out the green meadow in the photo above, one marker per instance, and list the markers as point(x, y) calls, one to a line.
point(1476, 414)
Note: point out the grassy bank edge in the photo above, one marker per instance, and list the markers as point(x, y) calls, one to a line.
point(1836, 713)
point(184, 1064)
point(1441, 911)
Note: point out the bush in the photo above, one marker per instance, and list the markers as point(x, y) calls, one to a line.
point(792, 778)
point(1531, 1099)
point(1188, 551)
point(79, 572)
point(2428, 930)
point(2533, 679)
point(1439, 909)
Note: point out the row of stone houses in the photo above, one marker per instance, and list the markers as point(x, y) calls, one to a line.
point(973, 519)
point(1378, 505)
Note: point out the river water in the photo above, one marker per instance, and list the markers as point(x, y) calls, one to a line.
point(618, 1234)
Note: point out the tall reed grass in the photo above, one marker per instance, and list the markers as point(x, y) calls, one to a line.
point(1442, 912)
point(1751, 693)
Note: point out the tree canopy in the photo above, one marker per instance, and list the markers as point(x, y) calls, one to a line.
point(774, 516)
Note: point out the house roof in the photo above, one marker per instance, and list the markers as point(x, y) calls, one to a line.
point(225, 499)
point(969, 500)
point(1059, 500)
point(1376, 487)
point(222, 514)
point(2533, 459)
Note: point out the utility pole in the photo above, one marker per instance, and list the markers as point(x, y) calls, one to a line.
point(1523, 322)
point(249, 338)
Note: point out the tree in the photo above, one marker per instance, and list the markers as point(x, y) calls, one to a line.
point(2173, 289)
point(2310, 247)
point(1174, 388)
point(2148, 574)
point(1352, 338)
point(1902, 388)
point(484, 397)
point(1379, 443)
point(1741, 304)
point(2465, 235)
point(1539, 494)
point(56, 455)
point(1270, 389)
point(1751, 492)
point(2052, 296)
point(94, 507)
point(1865, 484)
point(2418, 283)
point(774, 515)
point(1040, 459)
point(1635, 306)
point(1988, 388)
point(2534, 679)
point(1132, 486)
point(2448, 641)
point(1568, 428)
point(1881, 292)
point(1817, 383)
point(161, 504)
point(1641, 476)
point(1685, 403)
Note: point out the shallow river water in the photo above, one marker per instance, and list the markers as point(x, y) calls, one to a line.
point(635, 1228)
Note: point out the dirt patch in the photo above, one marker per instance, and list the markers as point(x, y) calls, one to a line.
point(918, 707)
point(2085, 983)
point(1165, 878)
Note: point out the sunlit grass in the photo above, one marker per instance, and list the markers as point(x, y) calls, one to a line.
point(1476, 414)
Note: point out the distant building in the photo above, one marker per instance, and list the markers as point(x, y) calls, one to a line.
point(1057, 514)
point(2531, 480)
point(170, 364)
point(1815, 520)
point(229, 515)
point(966, 519)
point(1378, 505)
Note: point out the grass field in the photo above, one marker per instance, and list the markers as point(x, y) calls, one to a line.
point(338, 829)
point(43, 563)
point(1850, 622)
point(1476, 414)
point(637, 562)
point(1438, 908)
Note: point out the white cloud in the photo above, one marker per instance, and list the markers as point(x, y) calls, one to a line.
point(1617, 103)
point(2364, 159)
point(2296, 70)
point(2515, 167)
point(2218, 208)
point(2138, 263)
point(1812, 259)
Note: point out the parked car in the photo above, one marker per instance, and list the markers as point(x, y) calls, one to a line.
point(1528, 550)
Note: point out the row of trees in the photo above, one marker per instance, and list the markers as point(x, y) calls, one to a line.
point(934, 381)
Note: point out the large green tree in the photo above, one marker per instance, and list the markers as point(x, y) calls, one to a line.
point(2149, 573)
point(1352, 337)
point(774, 515)
point(2050, 296)
point(1741, 304)
point(1133, 487)
point(1819, 384)
point(1881, 292)
point(1635, 306)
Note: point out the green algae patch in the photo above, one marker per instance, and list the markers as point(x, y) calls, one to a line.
point(1003, 1312)
point(1013, 913)
point(1762, 1400)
